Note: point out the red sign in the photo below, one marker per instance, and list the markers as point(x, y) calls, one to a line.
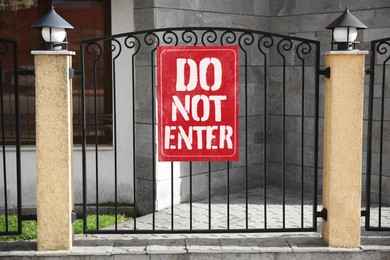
point(198, 103)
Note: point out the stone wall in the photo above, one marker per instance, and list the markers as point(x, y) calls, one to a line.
point(301, 18)
point(308, 18)
point(162, 14)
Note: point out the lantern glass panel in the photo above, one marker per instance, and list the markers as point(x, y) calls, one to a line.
point(340, 34)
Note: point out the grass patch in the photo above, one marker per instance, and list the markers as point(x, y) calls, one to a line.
point(104, 221)
point(29, 227)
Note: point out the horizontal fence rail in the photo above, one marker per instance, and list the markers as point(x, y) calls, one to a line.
point(377, 173)
point(273, 186)
point(10, 180)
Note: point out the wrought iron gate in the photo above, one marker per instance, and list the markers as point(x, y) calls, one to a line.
point(10, 184)
point(378, 157)
point(274, 185)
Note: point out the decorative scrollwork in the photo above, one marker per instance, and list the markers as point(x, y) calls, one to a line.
point(383, 48)
point(304, 48)
point(189, 36)
point(170, 38)
point(209, 36)
point(265, 41)
point(152, 39)
point(228, 37)
point(246, 39)
point(93, 48)
point(284, 45)
point(132, 42)
point(116, 47)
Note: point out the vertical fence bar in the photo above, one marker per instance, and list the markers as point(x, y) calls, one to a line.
point(190, 195)
point(3, 149)
point(246, 124)
point(284, 142)
point(369, 134)
point(96, 144)
point(172, 199)
point(284, 44)
point(246, 144)
point(115, 143)
point(302, 140)
point(316, 118)
point(302, 153)
point(381, 145)
point(228, 196)
point(153, 141)
point(133, 135)
point(265, 137)
point(268, 42)
point(209, 170)
point(265, 143)
point(84, 138)
point(17, 125)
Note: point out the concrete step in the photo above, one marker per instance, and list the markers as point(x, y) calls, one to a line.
point(223, 246)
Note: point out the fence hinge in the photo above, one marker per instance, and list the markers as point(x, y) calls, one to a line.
point(368, 71)
point(71, 73)
point(26, 73)
point(322, 214)
point(363, 213)
point(325, 72)
point(73, 216)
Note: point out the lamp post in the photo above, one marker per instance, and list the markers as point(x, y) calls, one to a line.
point(344, 31)
point(53, 30)
point(54, 135)
point(343, 134)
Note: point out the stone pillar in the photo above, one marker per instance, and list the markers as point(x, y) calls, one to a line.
point(343, 134)
point(54, 145)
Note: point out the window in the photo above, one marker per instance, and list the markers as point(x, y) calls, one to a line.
point(90, 19)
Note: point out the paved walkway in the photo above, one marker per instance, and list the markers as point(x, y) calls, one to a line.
point(308, 245)
point(219, 217)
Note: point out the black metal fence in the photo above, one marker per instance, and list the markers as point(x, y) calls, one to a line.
point(378, 155)
point(273, 187)
point(10, 184)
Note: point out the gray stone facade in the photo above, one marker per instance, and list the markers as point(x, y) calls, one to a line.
point(306, 19)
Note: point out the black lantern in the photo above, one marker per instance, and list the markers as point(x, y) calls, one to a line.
point(53, 30)
point(344, 31)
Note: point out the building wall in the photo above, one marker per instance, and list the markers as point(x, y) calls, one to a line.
point(248, 14)
point(307, 19)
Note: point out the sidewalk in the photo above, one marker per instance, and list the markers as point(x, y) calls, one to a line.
point(203, 246)
point(308, 245)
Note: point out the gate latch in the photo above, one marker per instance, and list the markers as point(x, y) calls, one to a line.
point(325, 72)
point(322, 214)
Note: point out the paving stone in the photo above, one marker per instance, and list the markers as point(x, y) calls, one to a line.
point(166, 246)
point(93, 242)
point(21, 246)
point(134, 246)
point(195, 245)
point(169, 257)
point(199, 256)
point(305, 244)
point(279, 244)
point(243, 245)
point(91, 250)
